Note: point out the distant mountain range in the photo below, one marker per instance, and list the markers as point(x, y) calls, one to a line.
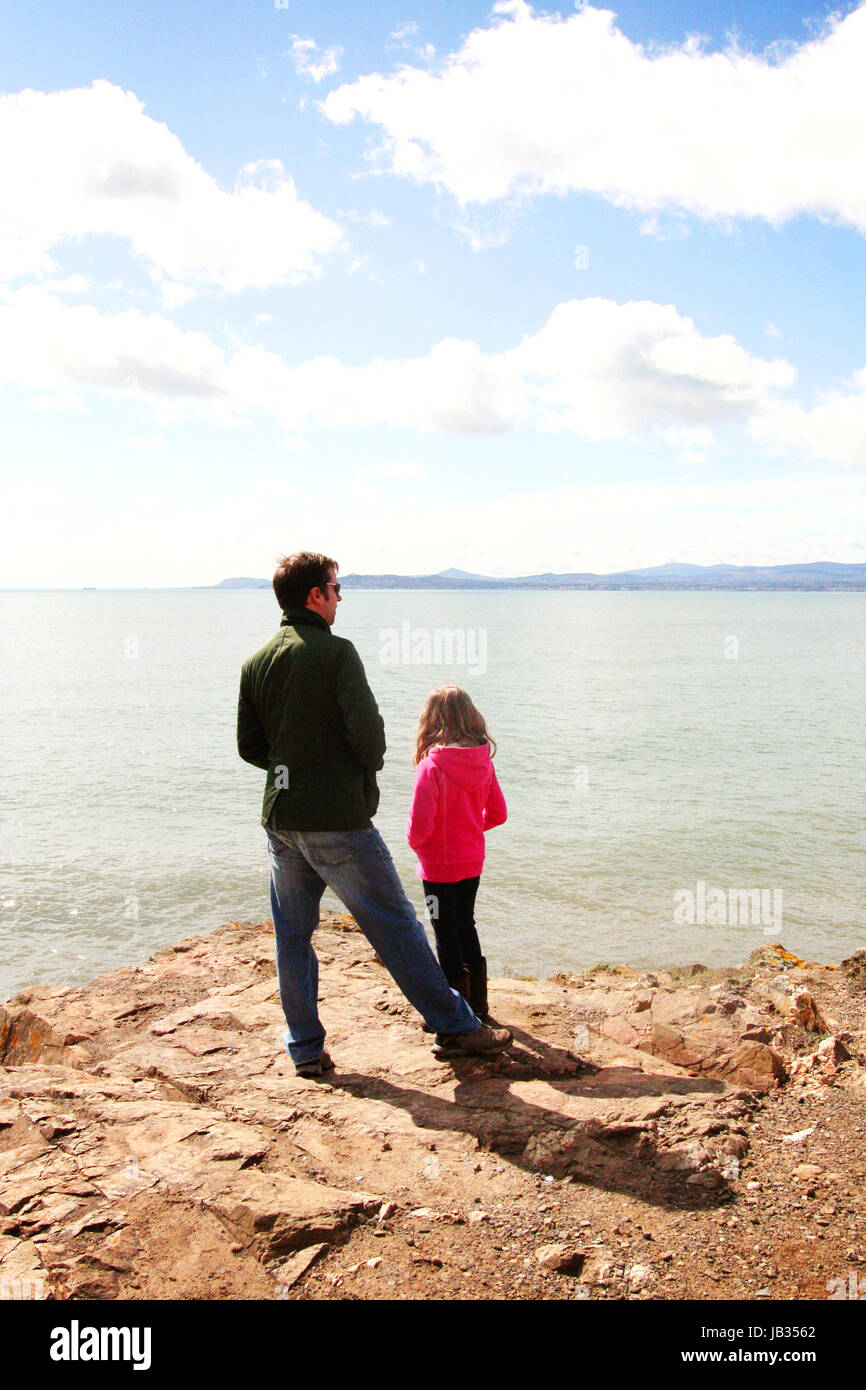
point(821, 575)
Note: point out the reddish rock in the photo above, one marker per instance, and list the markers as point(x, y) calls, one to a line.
point(562, 1259)
point(758, 1065)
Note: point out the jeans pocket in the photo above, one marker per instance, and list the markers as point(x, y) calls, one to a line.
point(330, 848)
point(276, 841)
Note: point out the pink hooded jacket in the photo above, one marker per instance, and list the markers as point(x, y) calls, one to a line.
point(456, 798)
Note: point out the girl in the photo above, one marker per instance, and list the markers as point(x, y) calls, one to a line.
point(456, 799)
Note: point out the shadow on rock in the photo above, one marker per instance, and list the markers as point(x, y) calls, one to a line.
point(537, 1060)
point(611, 1147)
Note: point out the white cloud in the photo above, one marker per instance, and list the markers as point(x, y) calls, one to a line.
point(835, 428)
point(692, 441)
point(89, 162)
point(406, 36)
point(395, 468)
point(48, 345)
point(687, 437)
point(483, 235)
point(537, 103)
point(606, 370)
point(51, 346)
point(313, 62)
point(455, 388)
point(155, 442)
point(69, 284)
point(599, 369)
point(373, 218)
point(174, 295)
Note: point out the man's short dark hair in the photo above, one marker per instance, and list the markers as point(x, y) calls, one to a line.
point(297, 574)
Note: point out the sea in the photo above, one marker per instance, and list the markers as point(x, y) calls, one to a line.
point(684, 771)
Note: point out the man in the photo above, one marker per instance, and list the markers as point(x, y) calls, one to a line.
point(307, 715)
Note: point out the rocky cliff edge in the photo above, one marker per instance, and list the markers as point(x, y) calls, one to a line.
point(673, 1134)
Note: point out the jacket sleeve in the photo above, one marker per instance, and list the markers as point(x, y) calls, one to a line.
point(252, 740)
point(425, 799)
point(495, 812)
point(365, 728)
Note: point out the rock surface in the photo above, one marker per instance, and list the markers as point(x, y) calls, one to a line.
point(155, 1142)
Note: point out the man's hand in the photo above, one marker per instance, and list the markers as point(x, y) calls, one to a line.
point(252, 740)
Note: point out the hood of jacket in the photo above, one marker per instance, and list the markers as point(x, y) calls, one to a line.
point(470, 768)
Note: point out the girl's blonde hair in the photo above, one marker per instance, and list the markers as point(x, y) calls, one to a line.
point(449, 716)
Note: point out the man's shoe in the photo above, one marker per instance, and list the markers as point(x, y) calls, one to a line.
point(317, 1067)
point(483, 1041)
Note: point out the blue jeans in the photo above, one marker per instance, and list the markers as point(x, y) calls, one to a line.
point(356, 865)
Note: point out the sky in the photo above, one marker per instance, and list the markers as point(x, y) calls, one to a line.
point(495, 286)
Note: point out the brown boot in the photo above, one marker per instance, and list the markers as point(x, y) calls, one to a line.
point(478, 991)
point(461, 983)
point(486, 1039)
point(482, 1041)
point(318, 1067)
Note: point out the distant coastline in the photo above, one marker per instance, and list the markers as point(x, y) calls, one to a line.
point(820, 576)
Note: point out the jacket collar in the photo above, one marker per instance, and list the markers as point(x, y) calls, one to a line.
point(298, 617)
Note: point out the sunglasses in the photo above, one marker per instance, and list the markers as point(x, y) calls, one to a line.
point(332, 584)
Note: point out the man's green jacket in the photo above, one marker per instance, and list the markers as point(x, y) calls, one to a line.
point(307, 714)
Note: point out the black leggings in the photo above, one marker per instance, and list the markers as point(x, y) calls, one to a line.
point(451, 907)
